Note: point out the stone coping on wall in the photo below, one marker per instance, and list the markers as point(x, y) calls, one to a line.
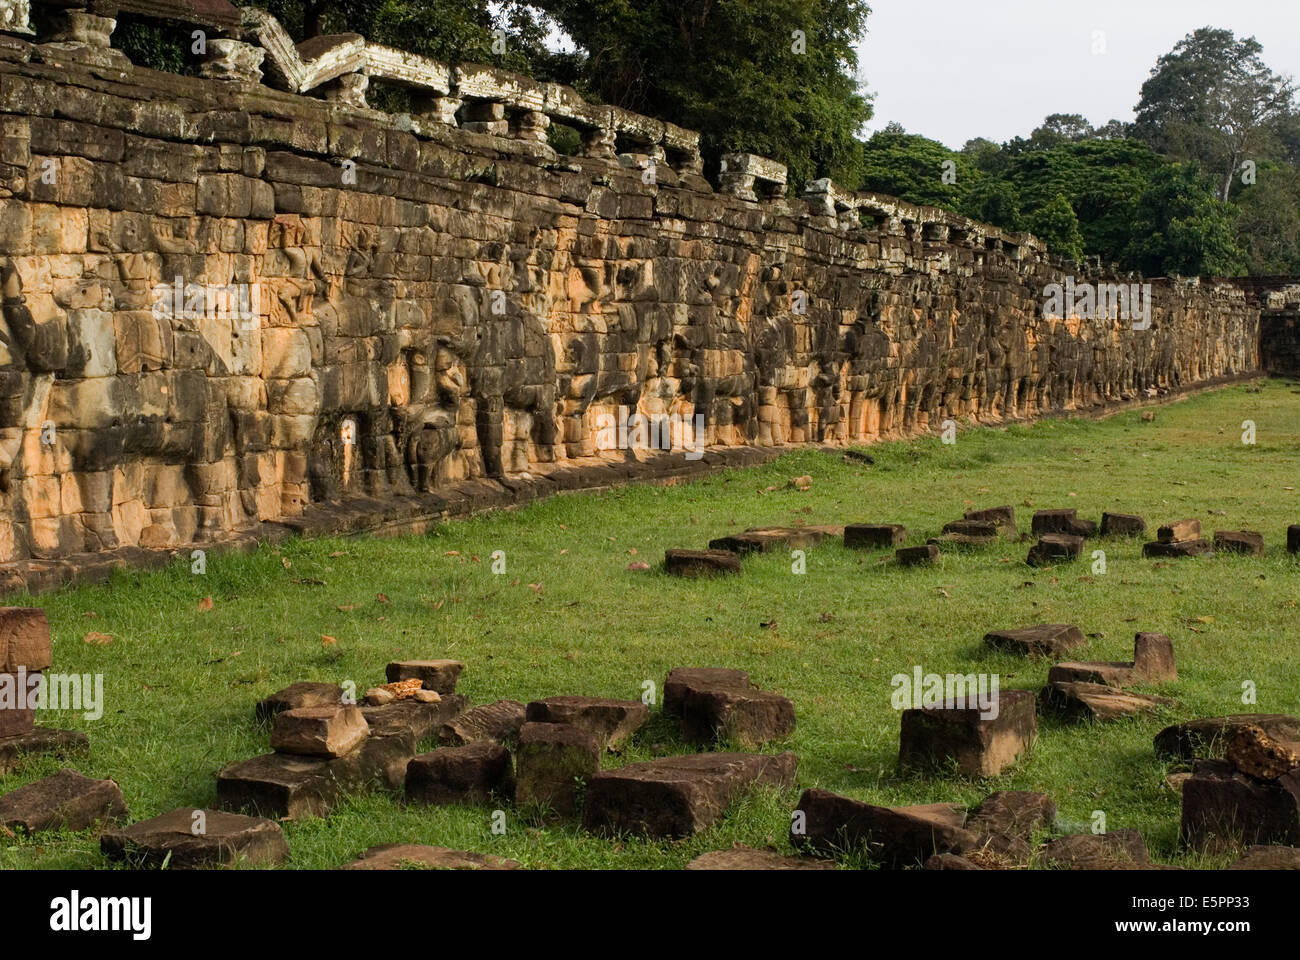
point(415, 515)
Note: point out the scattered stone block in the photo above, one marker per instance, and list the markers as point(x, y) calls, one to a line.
point(552, 759)
point(749, 718)
point(1122, 525)
point(1153, 662)
point(1268, 858)
point(285, 785)
point(979, 746)
point(1055, 548)
point(296, 696)
point(741, 857)
point(1293, 538)
point(437, 675)
point(414, 856)
point(226, 838)
point(1208, 737)
point(64, 801)
point(41, 741)
point(874, 536)
point(1094, 701)
point(950, 861)
point(915, 556)
point(609, 721)
point(498, 721)
point(678, 796)
point(896, 836)
point(1005, 823)
point(985, 530)
point(1256, 754)
point(24, 640)
point(1239, 541)
point(767, 539)
point(1224, 809)
point(331, 731)
point(1042, 640)
point(1114, 850)
point(400, 690)
point(16, 720)
point(952, 538)
point(1180, 548)
point(1062, 522)
point(1002, 516)
point(1179, 531)
point(683, 679)
point(701, 563)
point(473, 773)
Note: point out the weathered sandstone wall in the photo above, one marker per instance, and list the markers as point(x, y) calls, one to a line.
point(436, 304)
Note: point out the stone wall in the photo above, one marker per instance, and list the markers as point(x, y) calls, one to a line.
point(440, 303)
point(1278, 299)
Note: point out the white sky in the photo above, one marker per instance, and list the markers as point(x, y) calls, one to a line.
point(956, 69)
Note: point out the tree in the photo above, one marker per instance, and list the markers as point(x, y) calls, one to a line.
point(1057, 226)
point(916, 169)
point(996, 202)
point(1183, 228)
point(1268, 229)
point(1059, 128)
point(1211, 99)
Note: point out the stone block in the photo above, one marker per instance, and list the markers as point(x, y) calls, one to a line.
point(678, 796)
point(976, 743)
point(609, 721)
point(1122, 525)
point(1054, 548)
point(412, 856)
point(1042, 640)
point(331, 731)
point(214, 838)
point(874, 536)
point(297, 695)
point(474, 773)
point(437, 675)
point(917, 556)
point(64, 801)
point(897, 837)
point(499, 721)
point(748, 718)
point(1178, 531)
point(1239, 541)
point(1209, 736)
point(682, 680)
point(1177, 548)
point(552, 760)
point(701, 563)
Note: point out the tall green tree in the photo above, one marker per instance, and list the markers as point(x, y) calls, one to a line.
point(1056, 224)
point(1183, 228)
point(1212, 99)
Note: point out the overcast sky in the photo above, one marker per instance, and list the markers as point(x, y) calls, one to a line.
point(956, 69)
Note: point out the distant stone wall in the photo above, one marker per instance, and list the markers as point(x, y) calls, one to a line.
point(440, 300)
point(1279, 327)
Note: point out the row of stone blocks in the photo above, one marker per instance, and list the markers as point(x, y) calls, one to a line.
point(1060, 533)
point(25, 654)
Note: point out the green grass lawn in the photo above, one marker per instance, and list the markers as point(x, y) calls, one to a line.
point(568, 617)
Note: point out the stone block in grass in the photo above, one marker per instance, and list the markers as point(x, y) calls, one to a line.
point(437, 675)
point(609, 721)
point(1224, 809)
point(330, 732)
point(552, 760)
point(1122, 525)
point(1062, 521)
point(41, 741)
point(297, 695)
point(213, 838)
point(701, 563)
point(1153, 662)
point(474, 773)
point(1208, 737)
point(1176, 549)
point(678, 796)
point(1077, 700)
point(918, 556)
point(767, 539)
point(748, 718)
point(897, 837)
point(874, 536)
point(1040, 640)
point(499, 721)
point(681, 680)
point(1179, 531)
point(24, 640)
point(1122, 849)
point(1239, 541)
point(63, 801)
point(978, 744)
point(1053, 548)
